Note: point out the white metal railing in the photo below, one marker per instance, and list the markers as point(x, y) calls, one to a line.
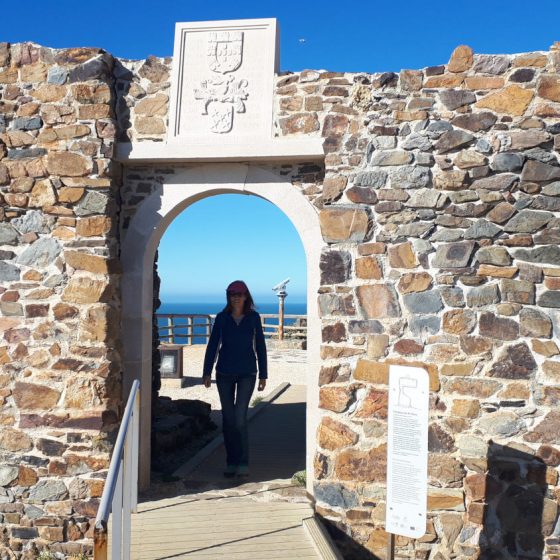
point(120, 494)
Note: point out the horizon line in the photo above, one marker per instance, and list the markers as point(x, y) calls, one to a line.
point(223, 301)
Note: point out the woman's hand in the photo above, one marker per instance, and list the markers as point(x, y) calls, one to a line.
point(207, 380)
point(262, 385)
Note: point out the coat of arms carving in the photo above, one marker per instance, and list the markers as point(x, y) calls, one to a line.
point(222, 93)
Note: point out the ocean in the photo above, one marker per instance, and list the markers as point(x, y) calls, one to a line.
point(211, 308)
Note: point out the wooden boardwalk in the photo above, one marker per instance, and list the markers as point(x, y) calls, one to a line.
point(237, 519)
point(230, 527)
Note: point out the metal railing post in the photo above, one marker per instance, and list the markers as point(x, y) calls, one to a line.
point(100, 542)
point(280, 318)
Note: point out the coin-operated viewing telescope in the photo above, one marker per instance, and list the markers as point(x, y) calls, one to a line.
point(280, 290)
point(281, 286)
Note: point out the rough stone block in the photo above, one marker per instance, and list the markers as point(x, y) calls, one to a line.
point(333, 435)
point(82, 289)
point(362, 466)
point(402, 256)
point(453, 255)
point(378, 301)
point(512, 100)
point(423, 302)
point(368, 268)
point(548, 87)
point(68, 164)
point(335, 495)
point(517, 291)
point(336, 399)
point(340, 224)
point(515, 362)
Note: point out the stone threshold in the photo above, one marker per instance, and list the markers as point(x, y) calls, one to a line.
point(265, 150)
point(322, 541)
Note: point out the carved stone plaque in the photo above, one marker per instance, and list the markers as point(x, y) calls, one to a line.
point(223, 78)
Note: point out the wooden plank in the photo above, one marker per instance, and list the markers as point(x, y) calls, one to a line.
point(215, 554)
point(185, 533)
point(226, 505)
point(235, 515)
point(222, 512)
point(249, 520)
point(226, 532)
point(233, 544)
point(224, 552)
point(242, 546)
point(289, 539)
point(224, 502)
point(188, 528)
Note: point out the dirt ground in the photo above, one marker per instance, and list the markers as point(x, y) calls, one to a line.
point(284, 365)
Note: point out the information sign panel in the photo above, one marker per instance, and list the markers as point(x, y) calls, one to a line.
point(171, 365)
point(407, 451)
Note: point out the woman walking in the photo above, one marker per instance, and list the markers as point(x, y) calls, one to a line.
point(237, 339)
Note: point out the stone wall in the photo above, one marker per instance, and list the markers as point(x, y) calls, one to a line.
point(59, 296)
point(440, 205)
point(143, 98)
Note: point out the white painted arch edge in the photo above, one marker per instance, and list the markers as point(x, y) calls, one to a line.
point(154, 215)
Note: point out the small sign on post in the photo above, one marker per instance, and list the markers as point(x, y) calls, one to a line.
point(171, 365)
point(407, 452)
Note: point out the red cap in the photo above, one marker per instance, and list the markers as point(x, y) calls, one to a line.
point(237, 287)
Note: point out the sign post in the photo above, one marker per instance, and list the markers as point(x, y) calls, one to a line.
point(407, 453)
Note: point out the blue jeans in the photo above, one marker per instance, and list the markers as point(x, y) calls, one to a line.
point(235, 394)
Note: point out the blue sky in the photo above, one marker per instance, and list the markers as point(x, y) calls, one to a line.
point(366, 35)
point(230, 237)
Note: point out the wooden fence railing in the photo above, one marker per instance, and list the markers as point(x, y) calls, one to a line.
point(184, 328)
point(295, 326)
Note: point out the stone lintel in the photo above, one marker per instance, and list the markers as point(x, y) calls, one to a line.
point(270, 150)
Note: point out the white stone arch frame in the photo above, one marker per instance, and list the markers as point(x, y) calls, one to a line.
point(155, 213)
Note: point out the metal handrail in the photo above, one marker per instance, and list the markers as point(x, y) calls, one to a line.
point(120, 494)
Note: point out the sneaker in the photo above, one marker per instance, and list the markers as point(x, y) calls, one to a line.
point(230, 471)
point(243, 471)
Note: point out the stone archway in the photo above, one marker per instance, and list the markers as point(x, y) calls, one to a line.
point(185, 187)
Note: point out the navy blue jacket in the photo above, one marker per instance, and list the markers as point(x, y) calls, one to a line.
point(236, 346)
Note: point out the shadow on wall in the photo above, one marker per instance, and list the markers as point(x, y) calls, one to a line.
point(123, 83)
point(511, 501)
point(510, 511)
point(347, 546)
